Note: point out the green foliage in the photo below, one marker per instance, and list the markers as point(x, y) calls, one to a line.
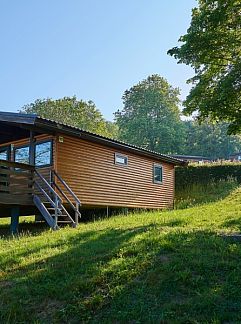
point(212, 46)
point(73, 112)
point(152, 267)
point(206, 174)
point(201, 193)
point(210, 140)
point(112, 130)
point(150, 117)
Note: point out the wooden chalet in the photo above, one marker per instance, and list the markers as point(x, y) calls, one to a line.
point(56, 170)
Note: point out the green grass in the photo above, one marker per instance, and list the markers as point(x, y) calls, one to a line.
point(199, 193)
point(155, 267)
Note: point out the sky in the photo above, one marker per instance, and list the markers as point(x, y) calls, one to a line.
point(94, 49)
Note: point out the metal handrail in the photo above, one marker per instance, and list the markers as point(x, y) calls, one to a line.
point(57, 199)
point(56, 202)
point(77, 201)
point(63, 194)
point(64, 209)
point(45, 194)
point(48, 185)
point(67, 187)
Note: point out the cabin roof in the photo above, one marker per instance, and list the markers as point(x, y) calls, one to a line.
point(198, 157)
point(40, 125)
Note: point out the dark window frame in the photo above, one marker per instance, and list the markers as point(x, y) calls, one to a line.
point(17, 148)
point(51, 153)
point(122, 156)
point(157, 165)
point(35, 144)
point(8, 149)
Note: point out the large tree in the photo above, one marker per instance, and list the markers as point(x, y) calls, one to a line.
point(212, 46)
point(210, 140)
point(73, 112)
point(150, 117)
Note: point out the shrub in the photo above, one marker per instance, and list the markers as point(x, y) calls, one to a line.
point(205, 174)
point(201, 193)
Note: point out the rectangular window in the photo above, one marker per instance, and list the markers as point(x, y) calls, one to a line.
point(157, 173)
point(4, 153)
point(121, 159)
point(43, 154)
point(21, 154)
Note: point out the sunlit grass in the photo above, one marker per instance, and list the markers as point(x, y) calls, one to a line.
point(199, 193)
point(151, 267)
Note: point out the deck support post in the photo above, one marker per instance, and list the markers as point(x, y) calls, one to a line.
point(14, 220)
point(31, 148)
point(76, 214)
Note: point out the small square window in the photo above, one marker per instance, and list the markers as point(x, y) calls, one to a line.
point(121, 159)
point(157, 173)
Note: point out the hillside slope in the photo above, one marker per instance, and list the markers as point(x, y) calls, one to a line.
point(169, 267)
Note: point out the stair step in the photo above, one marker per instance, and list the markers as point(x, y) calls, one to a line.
point(69, 222)
point(62, 215)
point(54, 204)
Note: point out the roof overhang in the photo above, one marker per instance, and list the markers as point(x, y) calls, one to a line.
point(15, 126)
point(42, 125)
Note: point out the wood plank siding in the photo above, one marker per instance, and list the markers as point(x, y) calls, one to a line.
point(90, 170)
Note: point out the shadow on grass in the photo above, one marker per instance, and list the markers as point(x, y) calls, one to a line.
point(174, 223)
point(25, 227)
point(126, 276)
point(233, 223)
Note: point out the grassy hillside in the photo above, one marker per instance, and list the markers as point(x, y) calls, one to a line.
point(157, 267)
point(199, 193)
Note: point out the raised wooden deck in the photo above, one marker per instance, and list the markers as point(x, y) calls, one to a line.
point(16, 184)
point(24, 189)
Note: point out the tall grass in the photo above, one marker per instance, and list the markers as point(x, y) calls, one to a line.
point(201, 193)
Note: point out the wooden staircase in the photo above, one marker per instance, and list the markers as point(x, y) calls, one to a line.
point(47, 198)
point(23, 185)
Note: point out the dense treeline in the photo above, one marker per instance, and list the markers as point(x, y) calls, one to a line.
point(206, 174)
point(150, 118)
point(210, 140)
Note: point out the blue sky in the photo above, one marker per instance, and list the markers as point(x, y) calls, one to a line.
point(94, 49)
